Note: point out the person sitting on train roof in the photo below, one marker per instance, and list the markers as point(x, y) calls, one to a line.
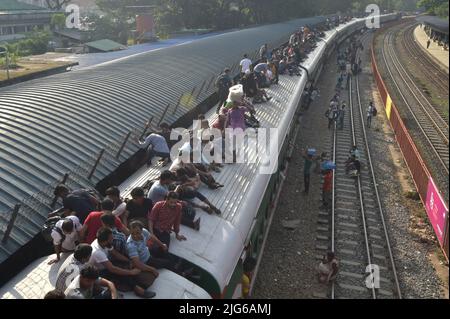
point(119, 239)
point(147, 252)
point(165, 217)
point(252, 90)
point(79, 201)
point(138, 207)
point(88, 285)
point(219, 123)
point(245, 65)
point(195, 173)
point(93, 222)
point(72, 266)
point(55, 294)
point(160, 188)
point(165, 132)
point(236, 114)
point(263, 52)
point(156, 146)
point(65, 236)
point(123, 277)
point(113, 193)
point(188, 194)
point(261, 74)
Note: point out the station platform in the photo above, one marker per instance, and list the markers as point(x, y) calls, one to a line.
point(435, 51)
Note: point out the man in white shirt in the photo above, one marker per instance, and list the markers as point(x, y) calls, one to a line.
point(102, 247)
point(65, 236)
point(245, 64)
point(156, 146)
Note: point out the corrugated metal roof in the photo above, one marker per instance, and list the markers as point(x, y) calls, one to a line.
point(60, 124)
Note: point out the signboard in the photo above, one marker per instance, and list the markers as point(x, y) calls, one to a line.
point(437, 211)
point(388, 106)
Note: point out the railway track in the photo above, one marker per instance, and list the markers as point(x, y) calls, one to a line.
point(438, 76)
point(359, 235)
point(431, 124)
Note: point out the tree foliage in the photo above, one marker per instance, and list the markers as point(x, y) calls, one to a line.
point(173, 15)
point(437, 7)
point(56, 4)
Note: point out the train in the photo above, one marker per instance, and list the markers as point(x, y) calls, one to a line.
point(248, 200)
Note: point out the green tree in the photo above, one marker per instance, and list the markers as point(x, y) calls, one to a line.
point(57, 4)
point(58, 21)
point(431, 6)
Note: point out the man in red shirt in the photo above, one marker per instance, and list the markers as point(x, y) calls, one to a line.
point(93, 222)
point(165, 217)
point(327, 188)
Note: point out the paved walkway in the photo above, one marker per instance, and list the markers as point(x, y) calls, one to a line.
point(435, 51)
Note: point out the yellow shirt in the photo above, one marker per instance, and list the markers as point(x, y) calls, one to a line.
point(245, 285)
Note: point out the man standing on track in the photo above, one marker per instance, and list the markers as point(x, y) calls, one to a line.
point(309, 160)
point(370, 113)
point(327, 188)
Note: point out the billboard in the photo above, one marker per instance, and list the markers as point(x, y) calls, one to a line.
point(437, 211)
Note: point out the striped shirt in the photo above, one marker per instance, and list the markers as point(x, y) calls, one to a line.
point(70, 269)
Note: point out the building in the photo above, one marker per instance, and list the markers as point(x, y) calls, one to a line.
point(17, 18)
point(86, 6)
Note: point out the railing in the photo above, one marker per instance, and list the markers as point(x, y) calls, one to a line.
point(414, 161)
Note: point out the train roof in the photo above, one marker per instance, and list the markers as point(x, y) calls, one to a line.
point(38, 278)
point(58, 125)
point(219, 244)
point(434, 22)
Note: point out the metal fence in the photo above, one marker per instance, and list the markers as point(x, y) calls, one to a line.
point(416, 165)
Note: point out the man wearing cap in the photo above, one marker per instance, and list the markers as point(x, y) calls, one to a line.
point(223, 84)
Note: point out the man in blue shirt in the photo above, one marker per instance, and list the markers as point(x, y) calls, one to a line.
point(160, 188)
point(138, 249)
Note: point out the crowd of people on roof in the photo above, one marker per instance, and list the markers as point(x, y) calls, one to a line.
point(119, 245)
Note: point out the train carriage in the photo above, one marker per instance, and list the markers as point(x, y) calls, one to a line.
point(247, 201)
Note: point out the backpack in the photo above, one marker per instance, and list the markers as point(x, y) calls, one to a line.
point(49, 226)
point(327, 113)
point(222, 83)
point(374, 112)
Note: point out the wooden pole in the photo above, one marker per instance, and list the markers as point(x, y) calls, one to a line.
point(96, 163)
point(123, 144)
point(11, 223)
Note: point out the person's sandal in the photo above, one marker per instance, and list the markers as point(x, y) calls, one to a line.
point(149, 294)
point(197, 224)
point(216, 210)
point(208, 209)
